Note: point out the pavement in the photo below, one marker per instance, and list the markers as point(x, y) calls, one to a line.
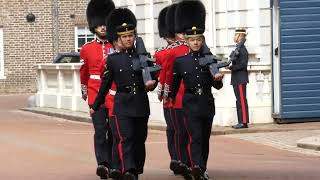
point(216, 130)
point(35, 146)
point(312, 142)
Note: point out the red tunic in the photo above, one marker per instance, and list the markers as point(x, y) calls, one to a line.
point(176, 50)
point(161, 57)
point(93, 55)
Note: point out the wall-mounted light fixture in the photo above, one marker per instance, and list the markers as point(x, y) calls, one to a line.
point(30, 17)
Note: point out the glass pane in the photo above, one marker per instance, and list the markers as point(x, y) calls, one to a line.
point(88, 32)
point(90, 39)
point(81, 42)
point(81, 31)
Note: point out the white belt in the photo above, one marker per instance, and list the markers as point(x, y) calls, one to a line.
point(112, 92)
point(97, 77)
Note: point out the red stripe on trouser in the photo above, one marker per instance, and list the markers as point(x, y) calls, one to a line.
point(243, 107)
point(113, 139)
point(190, 141)
point(175, 133)
point(120, 145)
point(178, 133)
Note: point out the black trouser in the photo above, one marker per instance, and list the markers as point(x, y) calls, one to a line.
point(116, 161)
point(172, 133)
point(177, 138)
point(183, 136)
point(240, 92)
point(130, 134)
point(199, 131)
point(102, 137)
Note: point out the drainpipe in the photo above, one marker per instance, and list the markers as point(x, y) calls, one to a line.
point(55, 27)
point(275, 59)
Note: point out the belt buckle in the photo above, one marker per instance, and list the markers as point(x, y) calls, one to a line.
point(199, 91)
point(132, 89)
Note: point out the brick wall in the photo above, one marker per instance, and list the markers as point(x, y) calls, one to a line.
point(27, 44)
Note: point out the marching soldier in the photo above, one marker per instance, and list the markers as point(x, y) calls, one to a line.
point(198, 101)
point(131, 105)
point(161, 56)
point(93, 56)
point(115, 172)
point(180, 161)
point(239, 80)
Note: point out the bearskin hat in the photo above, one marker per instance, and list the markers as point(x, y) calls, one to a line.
point(190, 17)
point(162, 26)
point(240, 31)
point(170, 20)
point(120, 21)
point(97, 12)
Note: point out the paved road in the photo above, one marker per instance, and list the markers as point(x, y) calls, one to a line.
point(39, 147)
point(281, 140)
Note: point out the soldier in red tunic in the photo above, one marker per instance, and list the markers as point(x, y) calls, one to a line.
point(93, 55)
point(161, 57)
point(176, 49)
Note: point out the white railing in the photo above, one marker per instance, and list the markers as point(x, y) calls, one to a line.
point(59, 87)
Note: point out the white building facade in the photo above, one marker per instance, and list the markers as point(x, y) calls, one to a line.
point(58, 85)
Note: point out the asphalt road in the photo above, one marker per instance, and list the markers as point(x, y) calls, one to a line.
point(38, 147)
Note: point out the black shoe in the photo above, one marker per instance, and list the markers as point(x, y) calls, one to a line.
point(175, 167)
point(129, 176)
point(206, 176)
point(185, 172)
point(240, 126)
point(197, 173)
point(115, 174)
point(102, 172)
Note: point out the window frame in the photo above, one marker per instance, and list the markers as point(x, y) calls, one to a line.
point(76, 37)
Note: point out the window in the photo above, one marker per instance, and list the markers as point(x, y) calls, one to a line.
point(1, 55)
point(82, 36)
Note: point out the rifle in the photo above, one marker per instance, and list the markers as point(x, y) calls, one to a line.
point(212, 61)
point(235, 53)
point(142, 62)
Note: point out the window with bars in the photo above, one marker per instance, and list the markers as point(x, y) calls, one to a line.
point(82, 36)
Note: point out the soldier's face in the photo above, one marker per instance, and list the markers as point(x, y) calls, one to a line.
point(237, 37)
point(195, 43)
point(180, 36)
point(118, 44)
point(127, 40)
point(170, 40)
point(101, 31)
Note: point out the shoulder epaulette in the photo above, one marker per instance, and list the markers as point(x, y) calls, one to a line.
point(181, 56)
point(176, 44)
point(160, 49)
point(114, 53)
point(173, 45)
